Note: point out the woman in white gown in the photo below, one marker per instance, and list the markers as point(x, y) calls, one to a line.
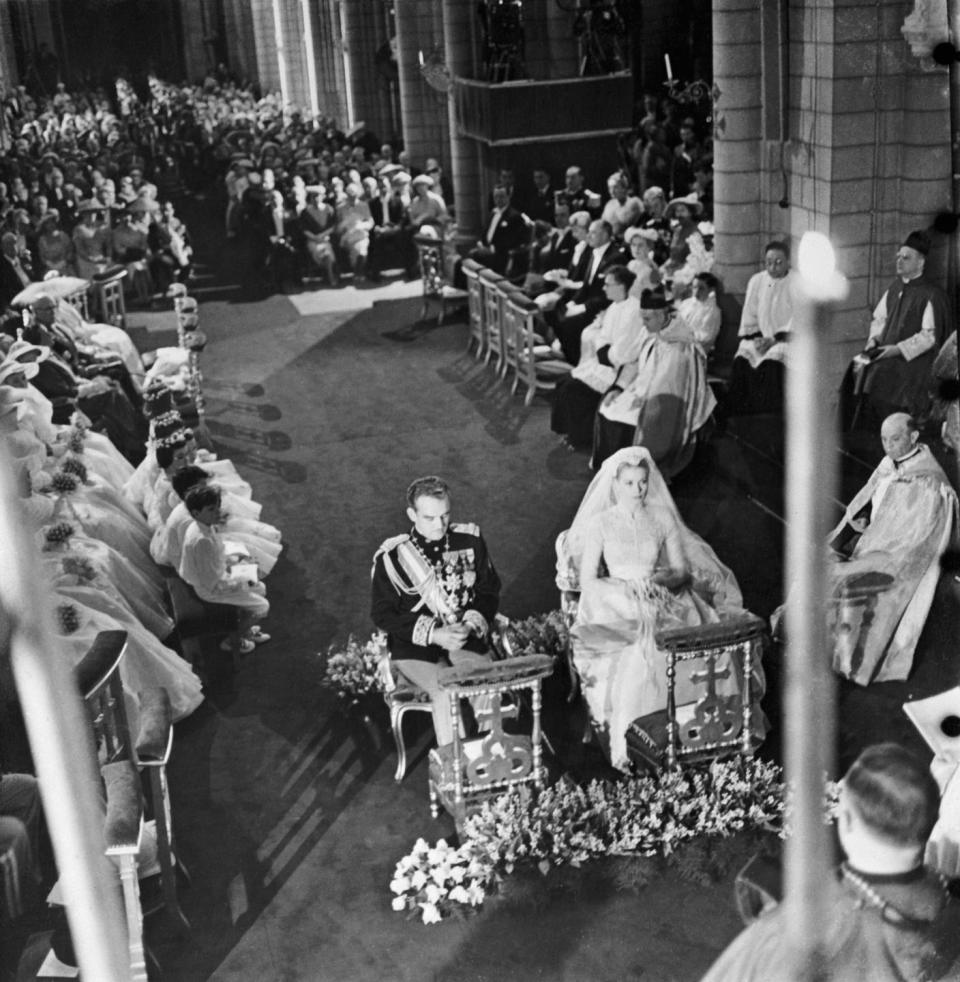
point(639, 570)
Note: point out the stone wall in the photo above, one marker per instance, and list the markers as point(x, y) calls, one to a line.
point(862, 153)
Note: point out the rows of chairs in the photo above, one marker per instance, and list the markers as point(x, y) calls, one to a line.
point(133, 765)
point(137, 816)
point(503, 325)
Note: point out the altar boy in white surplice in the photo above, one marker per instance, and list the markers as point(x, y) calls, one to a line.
point(899, 524)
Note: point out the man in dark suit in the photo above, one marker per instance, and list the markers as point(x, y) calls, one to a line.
point(555, 254)
point(506, 231)
point(579, 310)
point(15, 271)
point(539, 205)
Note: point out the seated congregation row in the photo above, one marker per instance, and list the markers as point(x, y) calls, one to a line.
point(639, 358)
point(357, 208)
point(113, 526)
point(126, 508)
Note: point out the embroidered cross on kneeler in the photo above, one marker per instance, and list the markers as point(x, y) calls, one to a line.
point(502, 756)
point(715, 717)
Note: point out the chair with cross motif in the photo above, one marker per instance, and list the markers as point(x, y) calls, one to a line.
point(403, 695)
point(466, 773)
point(703, 720)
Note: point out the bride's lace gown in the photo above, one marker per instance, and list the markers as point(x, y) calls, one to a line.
point(622, 673)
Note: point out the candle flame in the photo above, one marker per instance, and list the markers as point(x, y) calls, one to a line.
point(816, 259)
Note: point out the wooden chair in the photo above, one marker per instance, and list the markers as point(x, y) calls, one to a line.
point(403, 696)
point(464, 774)
point(699, 722)
point(98, 677)
point(78, 299)
point(436, 287)
point(491, 315)
point(123, 831)
point(197, 621)
point(537, 366)
point(477, 336)
point(153, 749)
point(108, 298)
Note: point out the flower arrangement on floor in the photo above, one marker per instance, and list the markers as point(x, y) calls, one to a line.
point(652, 815)
point(356, 669)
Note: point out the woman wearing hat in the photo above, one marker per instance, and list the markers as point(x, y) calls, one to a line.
point(354, 223)
point(130, 246)
point(640, 242)
point(426, 208)
point(91, 240)
point(684, 211)
point(54, 246)
point(664, 400)
point(317, 224)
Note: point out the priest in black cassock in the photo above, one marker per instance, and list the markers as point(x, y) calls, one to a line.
point(909, 324)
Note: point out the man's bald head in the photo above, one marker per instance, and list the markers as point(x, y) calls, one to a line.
point(899, 434)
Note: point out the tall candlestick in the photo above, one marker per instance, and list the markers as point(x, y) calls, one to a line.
point(808, 697)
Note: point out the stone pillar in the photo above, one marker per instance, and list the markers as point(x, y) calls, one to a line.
point(562, 46)
point(737, 150)
point(241, 43)
point(8, 60)
point(363, 34)
point(425, 131)
point(464, 155)
point(194, 21)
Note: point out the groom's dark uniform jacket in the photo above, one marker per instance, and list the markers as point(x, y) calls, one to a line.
point(466, 574)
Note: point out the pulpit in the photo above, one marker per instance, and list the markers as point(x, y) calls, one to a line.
point(465, 773)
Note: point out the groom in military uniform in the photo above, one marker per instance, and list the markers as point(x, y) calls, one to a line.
point(435, 593)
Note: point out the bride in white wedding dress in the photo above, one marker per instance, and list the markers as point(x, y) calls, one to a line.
point(639, 570)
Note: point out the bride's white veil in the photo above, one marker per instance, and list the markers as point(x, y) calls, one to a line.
point(711, 578)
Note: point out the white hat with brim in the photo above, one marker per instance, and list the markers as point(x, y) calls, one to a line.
point(11, 367)
point(635, 232)
point(690, 200)
point(27, 353)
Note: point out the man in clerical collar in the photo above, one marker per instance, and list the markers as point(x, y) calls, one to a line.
point(908, 327)
point(893, 532)
point(888, 916)
point(435, 593)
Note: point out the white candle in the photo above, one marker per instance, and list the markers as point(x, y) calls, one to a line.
point(420, 56)
point(808, 694)
point(666, 61)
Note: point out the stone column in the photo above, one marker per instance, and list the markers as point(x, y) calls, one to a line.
point(464, 153)
point(561, 44)
point(423, 108)
point(241, 45)
point(362, 35)
point(738, 151)
point(193, 18)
